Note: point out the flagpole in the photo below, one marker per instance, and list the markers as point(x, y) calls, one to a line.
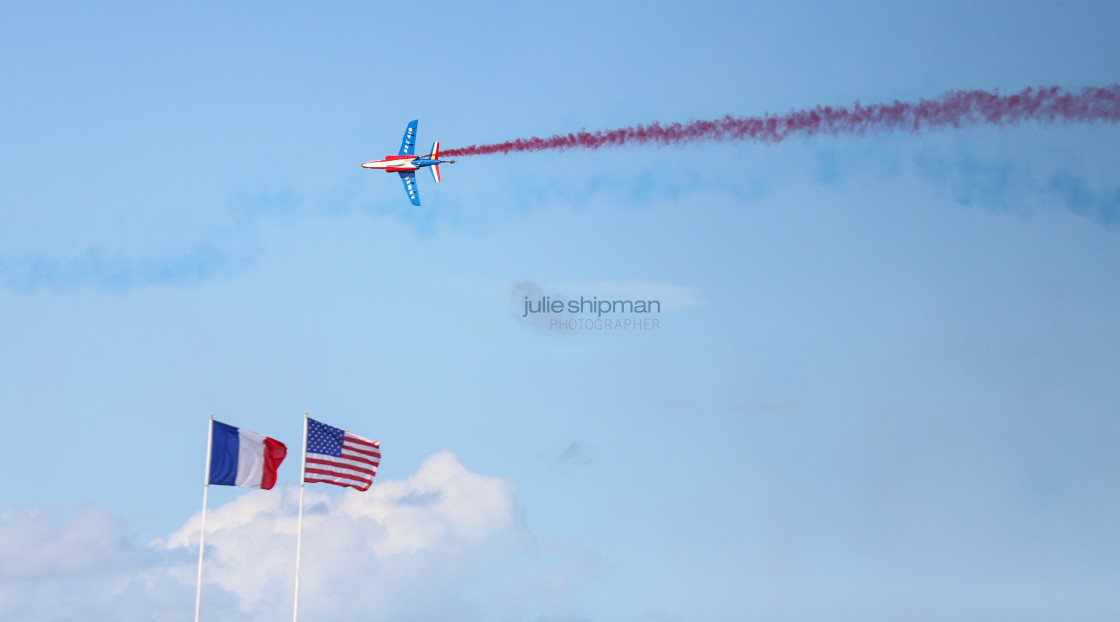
point(299, 526)
point(202, 529)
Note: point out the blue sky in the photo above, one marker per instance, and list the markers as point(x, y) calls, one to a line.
point(882, 387)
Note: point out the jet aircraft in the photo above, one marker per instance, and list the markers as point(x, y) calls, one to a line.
point(407, 162)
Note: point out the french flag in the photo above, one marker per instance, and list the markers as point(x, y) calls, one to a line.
point(243, 458)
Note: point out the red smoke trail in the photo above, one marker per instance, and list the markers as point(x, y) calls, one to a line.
point(955, 109)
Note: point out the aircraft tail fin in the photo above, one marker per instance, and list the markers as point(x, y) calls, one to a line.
point(435, 167)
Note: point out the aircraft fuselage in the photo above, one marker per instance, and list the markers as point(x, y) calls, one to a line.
point(401, 163)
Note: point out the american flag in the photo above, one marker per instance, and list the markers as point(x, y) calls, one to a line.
point(338, 457)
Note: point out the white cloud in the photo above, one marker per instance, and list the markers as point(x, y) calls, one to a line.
point(444, 542)
point(87, 568)
point(32, 548)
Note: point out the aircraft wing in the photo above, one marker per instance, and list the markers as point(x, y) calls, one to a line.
point(409, 179)
point(408, 143)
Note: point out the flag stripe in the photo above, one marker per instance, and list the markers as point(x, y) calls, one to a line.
point(345, 460)
point(274, 454)
point(311, 480)
point(346, 455)
point(337, 477)
point(338, 467)
point(361, 441)
point(357, 450)
point(250, 459)
point(342, 481)
point(324, 474)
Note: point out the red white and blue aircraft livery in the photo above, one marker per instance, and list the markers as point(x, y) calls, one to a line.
point(406, 162)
